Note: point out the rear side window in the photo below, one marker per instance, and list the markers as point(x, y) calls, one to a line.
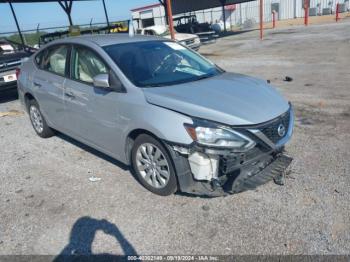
point(86, 64)
point(55, 60)
point(39, 58)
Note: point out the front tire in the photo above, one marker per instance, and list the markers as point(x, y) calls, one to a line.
point(153, 166)
point(38, 121)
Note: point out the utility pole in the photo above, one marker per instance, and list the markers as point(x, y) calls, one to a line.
point(16, 21)
point(104, 7)
point(170, 19)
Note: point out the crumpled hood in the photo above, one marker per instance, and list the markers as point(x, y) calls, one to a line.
point(231, 99)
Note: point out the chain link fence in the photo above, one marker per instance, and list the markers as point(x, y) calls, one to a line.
point(32, 37)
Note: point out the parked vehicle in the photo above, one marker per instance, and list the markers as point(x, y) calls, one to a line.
point(181, 122)
point(190, 40)
point(219, 26)
point(189, 24)
point(10, 59)
point(121, 27)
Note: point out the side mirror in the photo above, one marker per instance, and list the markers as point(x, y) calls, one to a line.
point(116, 84)
point(102, 81)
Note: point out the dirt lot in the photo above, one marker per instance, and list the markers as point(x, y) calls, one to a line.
point(49, 206)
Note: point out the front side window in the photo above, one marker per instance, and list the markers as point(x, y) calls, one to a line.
point(158, 63)
point(55, 60)
point(86, 64)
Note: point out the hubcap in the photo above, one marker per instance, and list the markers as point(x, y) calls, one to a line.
point(152, 165)
point(36, 118)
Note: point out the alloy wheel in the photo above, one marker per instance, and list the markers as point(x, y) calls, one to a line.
point(152, 165)
point(36, 118)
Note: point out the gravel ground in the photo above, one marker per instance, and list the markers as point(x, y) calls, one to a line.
point(49, 206)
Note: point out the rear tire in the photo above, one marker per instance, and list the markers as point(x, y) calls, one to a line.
point(153, 166)
point(38, 121)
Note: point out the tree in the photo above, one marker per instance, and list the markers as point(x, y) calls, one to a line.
point(31, 39)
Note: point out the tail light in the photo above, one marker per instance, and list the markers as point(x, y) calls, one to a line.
point(18, 71)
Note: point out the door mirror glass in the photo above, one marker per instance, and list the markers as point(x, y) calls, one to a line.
point(115, 83)
point(101, 80)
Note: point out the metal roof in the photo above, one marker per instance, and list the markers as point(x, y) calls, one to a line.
point(184, 6)
point(34, 1)
point(145, 7)
point(110, 39)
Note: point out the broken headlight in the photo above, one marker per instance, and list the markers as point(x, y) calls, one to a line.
point(209, 134)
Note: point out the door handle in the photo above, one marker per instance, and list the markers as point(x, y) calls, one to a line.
point(37, 84)
point(69, 94)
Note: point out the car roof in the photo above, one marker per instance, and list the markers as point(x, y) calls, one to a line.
point(108, 39)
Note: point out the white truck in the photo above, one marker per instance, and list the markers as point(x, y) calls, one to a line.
point(190, 40)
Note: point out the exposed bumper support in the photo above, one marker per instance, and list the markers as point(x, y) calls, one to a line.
point(209, 171)
point(255, 175)
point(252, 173)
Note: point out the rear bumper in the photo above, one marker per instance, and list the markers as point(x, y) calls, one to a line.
point(8, 85)
point(21, 97)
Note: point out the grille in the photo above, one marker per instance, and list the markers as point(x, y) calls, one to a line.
point(270, 130)
point(188, 42)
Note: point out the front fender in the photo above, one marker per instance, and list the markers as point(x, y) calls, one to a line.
point(163, 123)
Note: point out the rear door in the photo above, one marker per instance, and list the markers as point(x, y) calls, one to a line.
point(48, 83)
point(92, 113)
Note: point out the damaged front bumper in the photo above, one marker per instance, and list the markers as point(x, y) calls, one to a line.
point(212, 172)
point(239, 176)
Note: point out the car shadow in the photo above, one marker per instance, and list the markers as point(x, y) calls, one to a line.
point(118, 163)
point(98, 154)
point(81, 239)
point(92, 151)
point(190, 195)
point(8, 95)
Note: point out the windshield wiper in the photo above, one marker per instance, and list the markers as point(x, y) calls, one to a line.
point(180, 81)
point(153, 85)
point(170, 83)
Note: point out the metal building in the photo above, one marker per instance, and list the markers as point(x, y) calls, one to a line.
point(241, 14)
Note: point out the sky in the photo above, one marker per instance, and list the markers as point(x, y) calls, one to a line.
point(51, 14)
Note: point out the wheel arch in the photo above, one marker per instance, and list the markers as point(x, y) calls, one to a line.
point(131, 137)
point(28, 97)
point(134, 134)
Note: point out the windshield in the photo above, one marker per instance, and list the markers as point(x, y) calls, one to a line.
point(158, 63)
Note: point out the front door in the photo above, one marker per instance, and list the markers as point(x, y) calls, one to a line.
point(91, 112)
